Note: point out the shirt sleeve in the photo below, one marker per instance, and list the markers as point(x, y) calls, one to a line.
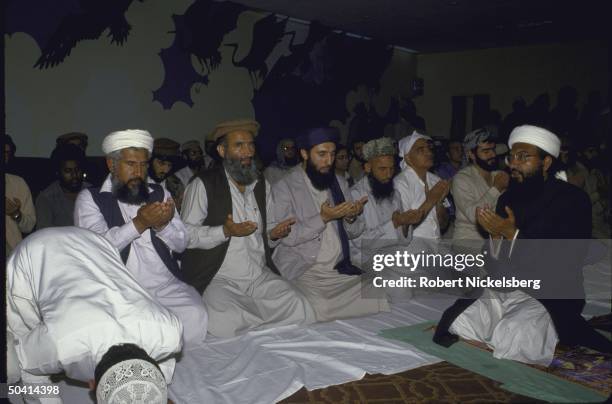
point(193, 212)
point(33, 344)
point(495, 245)
point(37, 352)
point(28, 213)
point(356, 228)
point(374, 231)
point(270, 219)
point(306, 228)
point(87, 215)
point(44, 213)
point(403, 189)
point(175, 233)
point(466, 200)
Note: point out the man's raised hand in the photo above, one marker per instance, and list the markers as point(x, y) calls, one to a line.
point(148, 215)
point(438, 192)
point(329, 213)
point(232, 229)
point(282, 229)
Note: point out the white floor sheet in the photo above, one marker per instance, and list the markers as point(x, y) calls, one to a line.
point(267, 366)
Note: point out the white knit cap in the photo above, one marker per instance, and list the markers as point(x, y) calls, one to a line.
point(534, 135)
point(132, 381)
point(127, 138)
point(405, 145)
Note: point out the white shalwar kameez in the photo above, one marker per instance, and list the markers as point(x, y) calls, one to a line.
point(379, 229)
point(515, 325)
point(380, 236)
point(412, 192)
point(70, 298)
point(144, 262)
point(243, 295)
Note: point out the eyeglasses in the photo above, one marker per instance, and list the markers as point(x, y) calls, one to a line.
point(285, 148)
point(521, 157)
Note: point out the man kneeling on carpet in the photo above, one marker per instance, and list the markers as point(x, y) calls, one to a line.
point(73, 307)
point(525, 324)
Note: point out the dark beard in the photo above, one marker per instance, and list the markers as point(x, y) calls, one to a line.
point(380, 190)
point(319, 180)
point(524, 193)
point(195, 165)
point(132, 195)
point(290, 162)
point(487, 165)
point(239, 173)
point(154, 176)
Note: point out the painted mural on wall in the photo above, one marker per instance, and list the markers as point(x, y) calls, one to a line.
point(199, 32)
point(58, 26)
point(308, 86)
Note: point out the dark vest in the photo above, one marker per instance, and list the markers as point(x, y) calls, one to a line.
point(109, 207)
point(199, 266)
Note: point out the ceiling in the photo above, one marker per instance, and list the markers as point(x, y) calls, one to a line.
point(450, 25)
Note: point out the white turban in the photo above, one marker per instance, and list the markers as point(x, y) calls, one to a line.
point(540, 137)
point(132, 381)
point(405, 145)
point(127, 138)
point(545, 140)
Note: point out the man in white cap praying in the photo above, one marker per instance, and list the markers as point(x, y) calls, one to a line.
point(421, 189)
point(538, 231)
point(141, 221)
point(227, 211)
point(315, 255)
point(73, 307)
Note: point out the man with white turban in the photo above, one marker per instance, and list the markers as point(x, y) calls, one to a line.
point(386, 222)
point(539, 231)
point(141, 221)
point(421, 189)
point(73, 307)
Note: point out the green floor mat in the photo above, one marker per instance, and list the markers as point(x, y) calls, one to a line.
point(514, 376)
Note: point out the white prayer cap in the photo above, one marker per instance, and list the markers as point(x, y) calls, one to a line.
point(405, 145)
point(534, 135)
point(127, 138)
point(132, 381)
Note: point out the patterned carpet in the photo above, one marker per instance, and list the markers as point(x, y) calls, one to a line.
point(439, 383)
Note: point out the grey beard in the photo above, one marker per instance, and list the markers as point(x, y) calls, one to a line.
point(242, 175)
